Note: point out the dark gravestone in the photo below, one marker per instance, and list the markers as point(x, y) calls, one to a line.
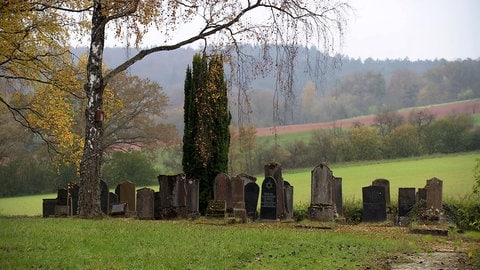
point(238, 198)
point(118, 209)
point(274, 170)
point(145, 200)
point(337, 195)
point(49, 207)
point(269, 199)
point(251, 199)
point(172, 196)
point(374, 204)
point(193, 195)
point(406, 200)
point(74, 190)
point(104, 197)
point(288, 193)
point(321, 205)
point(421, 194)
point(126, 194)
point(434, 189)
point(384, 183)
point(222, 190)
point(61, 209)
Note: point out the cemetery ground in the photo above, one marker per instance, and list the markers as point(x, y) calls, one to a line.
point(122, 243)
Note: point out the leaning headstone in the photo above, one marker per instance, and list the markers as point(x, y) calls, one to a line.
point(222, 190)
point(126, 194)
point(145, 199)
point(374, 204)
point(321, 204)
point(434, 189)
point(337, 195)
point(252, 191)
point(193, 196)
point(238, 198)
point(288, 193)
point(104, 196)
point(119, 209)
point(269, 199)
point(384, 183)
point(274, 170)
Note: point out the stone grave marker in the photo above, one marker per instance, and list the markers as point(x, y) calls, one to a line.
point(274, 170)
point(74, 189)
point(126, 194)
point(61, 208)
point(337, 195)
point(269, 199)
point(288, 189)
point(216, 209)
point(238, 198)
point(156, 206)
point(421, 194)
point(406, 201)
point(173, 201)
point(321, 205)
point(434, 189)
point(145, 199)
point(193, 195)
point(104, 197)
point(222, 190)
point(384, 183)
point(246, 178)
point(252, 191)
point(374, 204)
point(119, 209)
point(112, 199)
point(48, 209)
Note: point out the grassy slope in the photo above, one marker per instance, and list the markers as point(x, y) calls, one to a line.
point(455, 170)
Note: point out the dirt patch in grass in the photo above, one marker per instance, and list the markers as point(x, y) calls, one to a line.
point(435, 260)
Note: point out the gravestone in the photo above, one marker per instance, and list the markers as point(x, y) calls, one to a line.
point(173, 201)
point(274, 170)
point(238, 198)
point(269, 199)
point(48, 209)
point(337, 195)
point(193, 195)
point(406, 201)
point(156, 205)
point(421, 194)
point(252, 191)
point(434, 191)
point(216, 209)
point(222, 190)
point(74, 190)
point(104, 196)
point(321, 203)
point(374, 204)
point(61, 208)
point(126, 194)
point(384, 183)
point(119, 209)
point(145, 199)
point(288, 193)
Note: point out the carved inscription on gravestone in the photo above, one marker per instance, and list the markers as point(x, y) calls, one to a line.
point(268, 205)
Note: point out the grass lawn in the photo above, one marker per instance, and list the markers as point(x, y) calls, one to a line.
point(67, 243)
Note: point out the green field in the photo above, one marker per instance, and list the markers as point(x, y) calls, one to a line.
point(456, 171)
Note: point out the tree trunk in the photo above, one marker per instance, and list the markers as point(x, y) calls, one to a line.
point(92, 159)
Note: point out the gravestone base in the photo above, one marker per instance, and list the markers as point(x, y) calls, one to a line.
point(402, 221)
point(322, 213)
point(118, 210)
point(216, 209)
point(240, 213)
point(61, 210)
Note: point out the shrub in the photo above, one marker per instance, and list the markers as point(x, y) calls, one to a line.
point(353, 211)
point(465, 212)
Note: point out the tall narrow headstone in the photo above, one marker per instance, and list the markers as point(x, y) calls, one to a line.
point(238, 198)
point(74, 190)
point(156, 205)
point(193, 195)
point(374, 204)
point(288, 193)
point(145, 201)
point(246, 178)
point(126, 194)
point(384, 183)
point(104, 196)
point(434, 191)
point(222, 190)
point(337, 195)
point(269, 199)
point(173, 203)
point(321, 204)
point(274, 170)
point(406, 201)
point(252, 191)
point(112, 199)
point(421, 194)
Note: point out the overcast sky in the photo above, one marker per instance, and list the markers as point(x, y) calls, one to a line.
point(417, 29)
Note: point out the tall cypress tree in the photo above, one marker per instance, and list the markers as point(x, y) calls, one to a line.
point(207, 118)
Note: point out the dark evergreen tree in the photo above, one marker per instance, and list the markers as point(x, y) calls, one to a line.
point(207, 119)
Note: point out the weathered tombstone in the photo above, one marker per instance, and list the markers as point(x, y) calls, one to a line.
point(126, 194)
point(238, 198)
point(321, 205)
point(374, 204)
point(434, 188)
point(222, 190)
point(193, 196)
point(337, 195)
point(104, 196)
point(49, 207)
point(145, 199)
point(172, 196)
point(269, 199)
point(216, 209)
point(421, 194)
point(61, 208)
point(406, 201)
point(274, 170)
point(119, 209)
point(74, 190)
point(252, 191)
point(384, 183)
point(288, 193)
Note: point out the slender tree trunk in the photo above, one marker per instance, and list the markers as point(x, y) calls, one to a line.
point(90, 166)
